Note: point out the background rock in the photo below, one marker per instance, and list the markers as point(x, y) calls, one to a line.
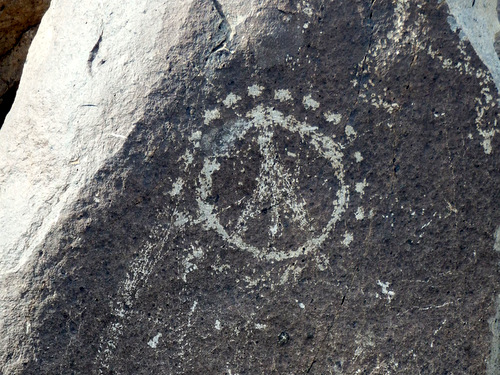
point(259, 187)
point(18, 24)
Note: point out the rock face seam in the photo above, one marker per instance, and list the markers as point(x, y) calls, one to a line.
point(93, 53)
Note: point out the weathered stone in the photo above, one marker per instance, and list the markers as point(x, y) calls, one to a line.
point(251, 187)
point(18, 24)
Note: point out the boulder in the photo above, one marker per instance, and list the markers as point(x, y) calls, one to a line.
point(232, 187)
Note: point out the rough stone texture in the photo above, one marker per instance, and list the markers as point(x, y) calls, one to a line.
point(18, 24)
point(251, 187)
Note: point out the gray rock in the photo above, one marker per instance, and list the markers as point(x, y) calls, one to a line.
point(250, 187)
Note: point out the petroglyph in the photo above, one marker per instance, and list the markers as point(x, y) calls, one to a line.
point(271, 199)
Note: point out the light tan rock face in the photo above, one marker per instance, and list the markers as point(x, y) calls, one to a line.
point(76, 104)
point(19, 21)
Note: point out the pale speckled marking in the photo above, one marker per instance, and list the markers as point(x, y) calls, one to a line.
point(358, 157)
point(177, 187)
point(333, 117)
point(310, 103)
point(153, 343)
point(196, 136)
point(188, 264)
point(360, 213)
point(322, 262)
point(293, 270)
point(283, 95)
point(483, 103)
point(137, 275)
point(231, 100)
point(385, 290)
point(487, 137)
point(360, 187)
point(385, 51)
point(306, 9)
point(181, 219)
point(255, 90)
point(379, 102)
point(191, 312)
point(211, 115)
point(480, 24)
point(349, 131)
point(348, 238)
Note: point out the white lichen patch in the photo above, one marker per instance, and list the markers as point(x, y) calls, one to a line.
point(385, 290)
point(153, 343)
point(360, 213)
point(310, 103)
point(348, 238)
point(358, 156)
point(360, 187)
point(260, 326)
point(210, 115)
point(282, 95)
point(231, 100)
point(255, 90)
point(333, 117)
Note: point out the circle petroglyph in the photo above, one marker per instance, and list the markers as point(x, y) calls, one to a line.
point(272, 185)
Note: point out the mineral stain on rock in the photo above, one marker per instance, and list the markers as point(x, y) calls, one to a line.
point(281, 187)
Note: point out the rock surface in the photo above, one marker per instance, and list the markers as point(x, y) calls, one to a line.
point(235, 187)
point(18, 24)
